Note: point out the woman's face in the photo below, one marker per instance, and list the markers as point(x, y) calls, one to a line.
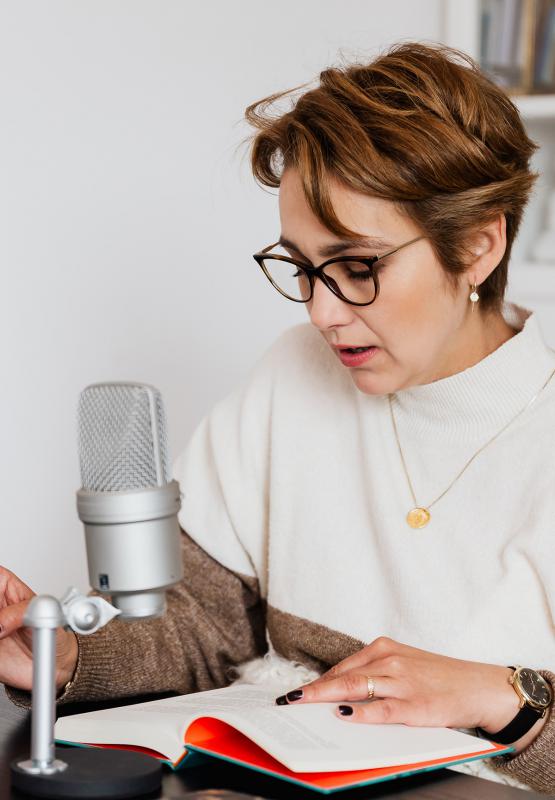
point(418, 323)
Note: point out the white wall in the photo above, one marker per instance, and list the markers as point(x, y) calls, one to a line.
point(120, 184)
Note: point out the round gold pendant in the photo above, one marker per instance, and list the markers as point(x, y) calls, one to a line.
point(418, 517)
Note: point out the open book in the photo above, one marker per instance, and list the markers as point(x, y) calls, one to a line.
point(305, 744)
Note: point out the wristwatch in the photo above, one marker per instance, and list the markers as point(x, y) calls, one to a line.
point(536, 696)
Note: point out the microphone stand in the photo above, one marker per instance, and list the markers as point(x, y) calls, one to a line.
point(73, 772)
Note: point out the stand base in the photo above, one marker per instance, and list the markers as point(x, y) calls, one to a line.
point(93, 773)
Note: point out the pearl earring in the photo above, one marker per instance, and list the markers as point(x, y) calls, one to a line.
point(474, 297)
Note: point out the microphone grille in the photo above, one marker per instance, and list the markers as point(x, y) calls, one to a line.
point(122, 437)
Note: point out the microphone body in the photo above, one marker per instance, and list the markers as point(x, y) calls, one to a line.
point(128, 506)
point(132, 543)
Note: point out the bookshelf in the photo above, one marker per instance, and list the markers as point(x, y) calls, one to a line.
point(531, 281)
point(513, 40)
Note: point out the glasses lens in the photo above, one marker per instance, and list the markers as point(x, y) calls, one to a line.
point(353, 279)
point(288, 278)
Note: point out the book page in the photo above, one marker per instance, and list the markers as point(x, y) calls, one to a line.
point(305, 738)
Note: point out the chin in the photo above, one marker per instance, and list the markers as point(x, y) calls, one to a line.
point(370, 383)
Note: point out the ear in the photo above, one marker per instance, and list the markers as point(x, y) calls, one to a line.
point(487, 248)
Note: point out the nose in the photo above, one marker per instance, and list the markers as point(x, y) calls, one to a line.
point(326, 310)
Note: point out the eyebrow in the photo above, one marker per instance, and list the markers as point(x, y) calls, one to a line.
point(374, 242)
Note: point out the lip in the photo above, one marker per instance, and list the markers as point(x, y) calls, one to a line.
point(356, 359)
point(346, 346)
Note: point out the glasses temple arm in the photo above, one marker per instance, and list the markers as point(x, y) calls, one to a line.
point(400, 247)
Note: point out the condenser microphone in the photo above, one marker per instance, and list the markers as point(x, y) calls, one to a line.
point(127, 503)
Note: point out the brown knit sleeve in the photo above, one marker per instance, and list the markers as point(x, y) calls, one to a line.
point(215, 619)
point(535, 765)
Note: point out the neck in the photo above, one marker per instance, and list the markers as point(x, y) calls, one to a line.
point(480, 335)
point(478, 400)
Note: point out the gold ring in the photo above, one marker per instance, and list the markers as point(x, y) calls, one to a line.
point(371, 687)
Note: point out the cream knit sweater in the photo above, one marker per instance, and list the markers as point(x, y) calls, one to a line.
point(296, 480)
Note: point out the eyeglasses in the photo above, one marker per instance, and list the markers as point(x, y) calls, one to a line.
point(351, 278)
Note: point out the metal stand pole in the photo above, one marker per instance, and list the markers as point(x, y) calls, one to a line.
point(46, 612)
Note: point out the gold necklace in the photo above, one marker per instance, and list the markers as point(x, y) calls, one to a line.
point(419, 516)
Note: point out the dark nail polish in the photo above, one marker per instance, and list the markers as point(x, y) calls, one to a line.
point(295, 695)
point(345, 711)
point(281, 701)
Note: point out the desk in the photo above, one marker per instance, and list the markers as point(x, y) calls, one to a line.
point(234, 783)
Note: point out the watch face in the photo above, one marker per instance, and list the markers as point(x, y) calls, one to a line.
point(538, 690)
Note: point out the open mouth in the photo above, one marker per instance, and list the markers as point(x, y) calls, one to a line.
point(356, 349)
point(355, 356)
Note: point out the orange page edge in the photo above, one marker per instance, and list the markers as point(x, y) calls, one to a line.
point(215, 738)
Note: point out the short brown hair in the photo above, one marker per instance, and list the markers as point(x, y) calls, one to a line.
point(420, 125)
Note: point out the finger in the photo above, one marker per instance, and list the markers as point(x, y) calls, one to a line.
point(380, 648)
point(12, 588)
point(352, 686)
point(392, 666)
point(379, 712)
point(11, 618)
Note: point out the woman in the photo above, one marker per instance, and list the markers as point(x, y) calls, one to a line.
point(369, 499)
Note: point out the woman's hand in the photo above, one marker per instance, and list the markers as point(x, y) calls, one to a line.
point(16, 664)
point(414, 687)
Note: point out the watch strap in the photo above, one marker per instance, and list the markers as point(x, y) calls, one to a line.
point(516, 728)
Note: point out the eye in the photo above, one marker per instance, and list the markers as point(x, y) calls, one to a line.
point(356, 274)
point(357, 270)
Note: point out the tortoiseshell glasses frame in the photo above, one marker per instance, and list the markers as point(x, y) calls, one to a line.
point(313, 272)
